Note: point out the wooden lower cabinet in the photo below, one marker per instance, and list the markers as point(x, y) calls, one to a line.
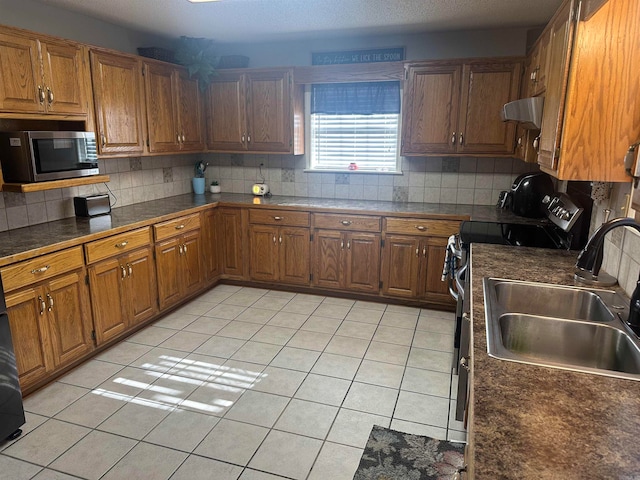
point(412, 268)
point(279, 254)
point(232, 242)
point(346, 260)
point(179, 267)
point(123, 292)
point(211, 244)
point(50, 325)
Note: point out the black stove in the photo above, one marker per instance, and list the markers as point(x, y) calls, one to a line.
point(515, 234)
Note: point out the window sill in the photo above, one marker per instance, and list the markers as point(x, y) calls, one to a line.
point(365, 172)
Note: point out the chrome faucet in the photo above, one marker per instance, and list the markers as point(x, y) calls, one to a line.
point(590, 258)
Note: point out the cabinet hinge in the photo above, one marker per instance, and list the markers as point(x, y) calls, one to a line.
point(93, 335)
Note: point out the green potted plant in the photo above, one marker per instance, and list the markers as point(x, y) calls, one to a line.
point(197, 54)
point(214, 187)
point(198, 179)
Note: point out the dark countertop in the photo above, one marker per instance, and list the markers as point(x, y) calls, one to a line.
point(27, 242)
point(535, 422)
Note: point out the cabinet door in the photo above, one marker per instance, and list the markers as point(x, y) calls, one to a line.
point(559, 52)
point(63, 65)
point(486, 88)
point(327, 258)
point(68, 317)
point(190, 113)
point(430, 104)
point(21, 87)
point(401, 259)
point(168, 265)
point(107, 282)
point(161, 102)
point(211, 247)
point(363, 262)
point(117, 98)
point(294, 255)
point(269, 111)
point(29, 334)
point(263, 241)
point(226, 123)
point(141, 286)
point(434, 287)
point(192, 273)
point(231, 223)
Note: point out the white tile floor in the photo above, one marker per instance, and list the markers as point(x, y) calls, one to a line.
point(244, 383)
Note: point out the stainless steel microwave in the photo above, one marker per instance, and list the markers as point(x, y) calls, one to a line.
point(36, 156)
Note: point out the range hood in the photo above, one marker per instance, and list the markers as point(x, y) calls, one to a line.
point(527, 111)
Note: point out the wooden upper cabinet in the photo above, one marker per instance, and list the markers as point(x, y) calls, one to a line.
point(226, 124)
point(41, 76)
point(254, 111)
point(454, 108)
point(560, 44)
point(590, 115)
point(486, 88)
point(431, 104)
point(174, 119)
point(64, 81)
point(117, 96)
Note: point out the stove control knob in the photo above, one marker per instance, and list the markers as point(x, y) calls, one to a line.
point(546, 199)
point(566, 215)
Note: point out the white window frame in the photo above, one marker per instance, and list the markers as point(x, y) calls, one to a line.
point(308, 141)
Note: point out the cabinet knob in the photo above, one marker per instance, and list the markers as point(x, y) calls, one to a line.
point(248, 138)
point(453, 138)
point(184, 248)
point(40, 95)
point(130, 268)
point(122, 244)
point(49, 96)
point(123, 272)
point(40, 270)
point(424, 251)
point(280, 240)
point(242, 138)
point(278, 218)
point(180, 252)
point(178, 137)
point(183, 137)
point(536, 143)
point(50, 299)
point(274, 239)
point(461, 139)
point(348, 245)
point(421, 228)
point(180, 227)
point(417, 251)
point(103, 139)
point(346, 223)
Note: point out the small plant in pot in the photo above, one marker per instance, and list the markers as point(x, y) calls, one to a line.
point(214, 187)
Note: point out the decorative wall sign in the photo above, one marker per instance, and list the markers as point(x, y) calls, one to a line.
point(373, 55)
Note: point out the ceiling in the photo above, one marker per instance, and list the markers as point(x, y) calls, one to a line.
point(239, 21)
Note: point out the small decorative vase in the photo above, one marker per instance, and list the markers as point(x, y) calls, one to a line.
point(198, 185)
point(214, 188)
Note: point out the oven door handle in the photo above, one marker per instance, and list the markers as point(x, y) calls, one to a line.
point(459, 281)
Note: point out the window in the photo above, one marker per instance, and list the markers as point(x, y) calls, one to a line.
point(355, 124)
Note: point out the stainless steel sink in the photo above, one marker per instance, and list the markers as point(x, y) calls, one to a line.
point(562, 327)
point(552, 301)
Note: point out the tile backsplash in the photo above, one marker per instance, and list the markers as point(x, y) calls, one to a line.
point(465, 180)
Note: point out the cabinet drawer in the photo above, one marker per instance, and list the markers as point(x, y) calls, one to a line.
point(177, 226)
point(336, 221)
point(117, 244)
point(279, 217)
point(415, 226)
point(41, 268)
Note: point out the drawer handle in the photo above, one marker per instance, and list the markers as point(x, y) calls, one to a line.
point(41, 269)
point(421, 228)
point(122, 244)
point(346, 222)
point(180, 227)
point(278, 218)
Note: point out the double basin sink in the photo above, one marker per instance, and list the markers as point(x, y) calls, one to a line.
point(572, 328)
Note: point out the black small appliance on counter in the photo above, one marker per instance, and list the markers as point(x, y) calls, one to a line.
point(526, 194)
point(11, 411)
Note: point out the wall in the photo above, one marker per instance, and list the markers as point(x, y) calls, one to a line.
point(622, 245)
point(133, 180)
point(40, 17)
